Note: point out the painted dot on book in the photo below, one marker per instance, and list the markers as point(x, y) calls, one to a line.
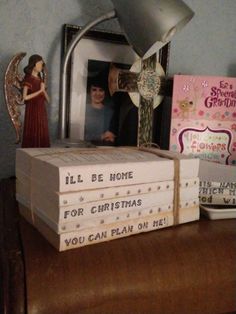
point(102, 221)
point(81, 199)
point(63, 228)
point(186, 184)
point(139, 213)
point(127, 215)
point(128, 192)
point(65, 202)
point(117, 193)
point(101, 195)
point(169, 207)
point(159, 209)
point(117, 218)
point(158, 187)
point(167, 186)
point(77, 226)
point(149, 189)
point(139, 191)
point(194, 202)
point(150, 211)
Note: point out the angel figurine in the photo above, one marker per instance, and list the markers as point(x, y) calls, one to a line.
point(30, 90)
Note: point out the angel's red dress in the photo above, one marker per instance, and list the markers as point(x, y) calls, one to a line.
point(35, 133)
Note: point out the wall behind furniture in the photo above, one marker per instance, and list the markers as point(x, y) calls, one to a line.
point(205, 46)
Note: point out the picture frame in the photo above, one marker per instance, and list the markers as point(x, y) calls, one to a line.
point(96, 51)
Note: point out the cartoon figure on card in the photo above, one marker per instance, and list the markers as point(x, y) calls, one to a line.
point(186, 106)
point(28, 90)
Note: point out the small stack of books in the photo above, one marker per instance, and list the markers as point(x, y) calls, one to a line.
point(217, 190)
point(81, 196)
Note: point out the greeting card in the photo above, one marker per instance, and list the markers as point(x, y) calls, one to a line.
point(203, 118)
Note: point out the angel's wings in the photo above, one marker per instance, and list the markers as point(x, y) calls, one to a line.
point(13, 92)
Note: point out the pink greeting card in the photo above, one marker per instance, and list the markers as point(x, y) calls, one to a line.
point(203, 118)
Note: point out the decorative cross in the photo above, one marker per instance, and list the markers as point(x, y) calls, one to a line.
point(147, 84)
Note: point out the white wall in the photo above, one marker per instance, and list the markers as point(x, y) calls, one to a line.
point(205, 46)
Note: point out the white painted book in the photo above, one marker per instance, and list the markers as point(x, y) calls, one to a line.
point(215, 172)
point(99, 202)
point(69, 218)
point(191, 208)
point(102, 233)
point(39, 193)
point(81, 169)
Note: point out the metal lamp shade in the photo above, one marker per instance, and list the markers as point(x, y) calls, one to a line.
point(150, 24)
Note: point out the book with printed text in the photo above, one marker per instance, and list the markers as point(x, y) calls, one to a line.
point(77, 197)
point(39, 194)
point(81, 215)
point(217, 183)
point(81, 169)
point(108, 232)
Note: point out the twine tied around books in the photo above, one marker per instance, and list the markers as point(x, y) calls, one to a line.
point(147, 147)
point(161, 153)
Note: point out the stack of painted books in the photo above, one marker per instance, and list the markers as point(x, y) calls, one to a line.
point(217, 190)
point(77, 196)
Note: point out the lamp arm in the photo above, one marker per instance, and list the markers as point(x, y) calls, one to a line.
point(81, 33)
